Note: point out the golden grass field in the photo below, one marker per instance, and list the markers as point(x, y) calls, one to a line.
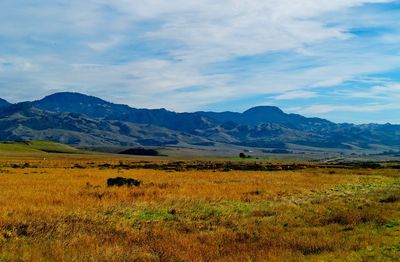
point(51, 211)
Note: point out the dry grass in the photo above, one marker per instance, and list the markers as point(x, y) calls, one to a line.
point(57, 213)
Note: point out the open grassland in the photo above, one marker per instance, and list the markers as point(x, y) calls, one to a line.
point(60, 209)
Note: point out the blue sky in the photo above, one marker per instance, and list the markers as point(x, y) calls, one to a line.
point(336, 59)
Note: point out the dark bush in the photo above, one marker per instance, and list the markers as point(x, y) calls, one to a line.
point(120, 181)
point(140, 152)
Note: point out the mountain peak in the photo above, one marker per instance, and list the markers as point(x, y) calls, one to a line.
point(73, 103)
point(264, 110)
point(70, 97)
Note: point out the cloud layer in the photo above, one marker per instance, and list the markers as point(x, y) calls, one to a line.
point(305, 55)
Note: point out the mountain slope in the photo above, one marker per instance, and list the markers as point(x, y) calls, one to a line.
point(4, 103)
point(25, 122)
point(36, 146)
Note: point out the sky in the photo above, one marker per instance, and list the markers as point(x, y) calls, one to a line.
point(335, 59)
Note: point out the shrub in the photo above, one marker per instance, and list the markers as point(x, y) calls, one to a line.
point(120, 181)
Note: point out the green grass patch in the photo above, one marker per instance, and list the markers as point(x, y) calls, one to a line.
point(37, 146)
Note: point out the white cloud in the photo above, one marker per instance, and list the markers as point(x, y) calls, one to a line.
point(296, 95)
point(386, 92)
point(143, 52)
point(321, 109)
point(104, 45)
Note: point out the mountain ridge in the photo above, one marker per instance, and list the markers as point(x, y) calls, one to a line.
point(79, 119)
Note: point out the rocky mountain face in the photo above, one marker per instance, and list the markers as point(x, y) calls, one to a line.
point(78, 119)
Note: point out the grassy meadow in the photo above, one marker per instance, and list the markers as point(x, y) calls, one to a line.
point(57, 207)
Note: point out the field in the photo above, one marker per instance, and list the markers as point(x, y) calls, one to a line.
point(57, 207)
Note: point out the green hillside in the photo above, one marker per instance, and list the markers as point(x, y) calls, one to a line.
point(37, 146)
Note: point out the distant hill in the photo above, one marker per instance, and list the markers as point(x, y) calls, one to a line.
point(78, 119)
point(268, 114)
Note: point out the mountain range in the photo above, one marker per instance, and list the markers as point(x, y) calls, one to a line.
point(82, 120)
